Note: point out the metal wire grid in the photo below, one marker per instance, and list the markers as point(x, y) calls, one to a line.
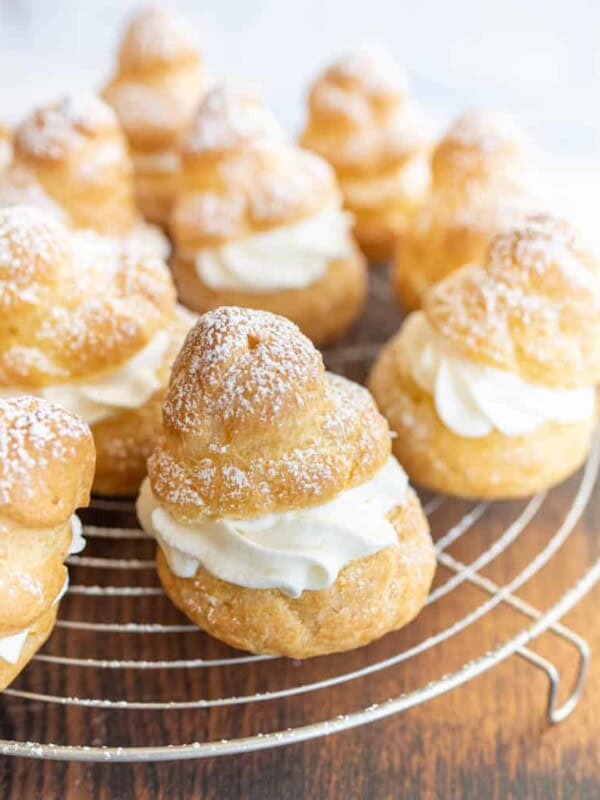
point(460, 573)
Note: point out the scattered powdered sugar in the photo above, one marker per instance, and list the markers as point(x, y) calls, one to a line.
point(373, 68)
point(245, 374)
point(239, 363)
point(485, 130)
point(229, 117)
point(296, 178)
point(34, 434)
point(156, 34)
point(53, 131)
point(214, 214)
point(31, 243)
point(542, 243)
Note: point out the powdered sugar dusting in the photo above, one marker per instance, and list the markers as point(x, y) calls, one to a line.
point(34, 435)
point(246, 377)
point(247, 363)
point(373, 68)
point(53, 131)
point(230, 117)
point(156, 34)
point(31, 244)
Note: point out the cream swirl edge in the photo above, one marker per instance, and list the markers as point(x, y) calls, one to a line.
point(290, 256)
point(291, 551)
point(12, 646)
point(127, 388)
point(473, 399)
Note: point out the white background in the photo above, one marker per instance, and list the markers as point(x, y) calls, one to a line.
point(539, 59)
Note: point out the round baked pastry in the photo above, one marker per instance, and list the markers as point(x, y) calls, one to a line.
point(283, 523)
point(46, 469)
point(490, 388)
point(362, 122)
point(92, 326)
point(156, 89)
point(481, 187)
point(258, 223)
point(71, 158)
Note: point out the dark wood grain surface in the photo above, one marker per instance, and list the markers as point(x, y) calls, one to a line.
point(486, 739)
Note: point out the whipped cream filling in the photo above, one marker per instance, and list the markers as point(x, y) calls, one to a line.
point(287, 257)
point(291, 551)
point(12, 646)
point(473, 399)
point(129, 387)
point(411, 181)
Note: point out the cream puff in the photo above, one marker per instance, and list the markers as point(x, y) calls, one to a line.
point(283, 523)
point(490, 388)
point(481, 186)
point(46, 469)
point(71, 158)
point(258, 223)
point(157, 86)
point(91, 326)
point(362, 121)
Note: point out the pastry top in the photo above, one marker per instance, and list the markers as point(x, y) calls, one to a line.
point(481, 146)
point(263, 187)
point(46, 463)
point(360, 117)
point(253, 423)
point(532, 308)
point(230, 120)
point(76, 151)
point(159, 78)
point(73, 305)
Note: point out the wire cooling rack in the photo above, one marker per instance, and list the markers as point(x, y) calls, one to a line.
point(126, 678)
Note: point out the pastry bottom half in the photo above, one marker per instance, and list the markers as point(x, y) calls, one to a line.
point(38, 634)
point(371, 597)
point(323, 311)
point(493, 466)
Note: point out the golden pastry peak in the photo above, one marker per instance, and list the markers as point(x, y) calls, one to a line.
point(481, 144)
point(532, 308)
point(155, 38)
point(243, 367)
point(229, 118)
point(55, 131)
point(46, 456)
point(253, 423)
point(73, 305)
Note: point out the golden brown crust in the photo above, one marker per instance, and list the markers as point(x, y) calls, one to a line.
point(77, 153)
point(263, 188)
point(360, 120)
point(494, 466)
point(371, 597)
point(479, 189)
point(253, 424)
point(125, 440)
point(356, 110)
point(53, 329)
point(532, 308)
point(46, 463)
point(155, 91)
point(159, 79)
point(46, 469)
point(39, 633)
point(323, 311)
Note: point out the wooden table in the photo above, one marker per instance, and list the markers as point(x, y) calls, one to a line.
point(486, 739)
